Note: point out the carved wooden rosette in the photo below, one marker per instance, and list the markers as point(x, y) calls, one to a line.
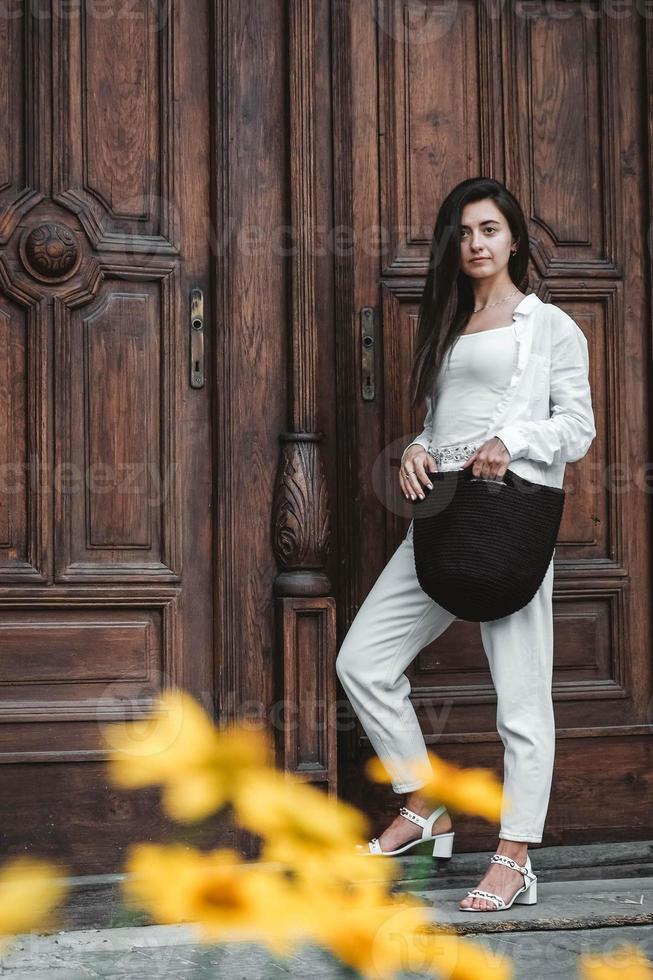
point(306, 612)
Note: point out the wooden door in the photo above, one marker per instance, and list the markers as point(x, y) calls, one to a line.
point(553, 105)
point(105, 426)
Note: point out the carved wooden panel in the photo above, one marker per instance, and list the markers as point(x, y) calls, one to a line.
point(80, 659)
point(305, 714)
point(563, 115)
point(21, 412)
point(117, 472)
point(106, 587)
point(431, 60)
point(119, 117)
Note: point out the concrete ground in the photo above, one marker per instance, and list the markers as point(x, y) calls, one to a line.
point(544, 940)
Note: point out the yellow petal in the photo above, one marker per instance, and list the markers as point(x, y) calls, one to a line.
point(624, 962)
point(354, 933)
point(274, 805)
point(225, 898)
point(240, 747)
point(194, 795)
point(476, 791)
point(337, 866)
point(445, 954)
point(30, 889)
point(178, 746)
point(177, 734)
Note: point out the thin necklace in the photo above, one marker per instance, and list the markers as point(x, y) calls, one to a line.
point(498, 302)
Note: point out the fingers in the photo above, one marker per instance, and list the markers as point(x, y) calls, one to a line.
point(490, 461)
point(489, 464)
point(413, 475)
point(419, 477)
point(488, 470)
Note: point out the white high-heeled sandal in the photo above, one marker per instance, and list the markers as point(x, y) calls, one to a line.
point(439, 845)
point(526, 895)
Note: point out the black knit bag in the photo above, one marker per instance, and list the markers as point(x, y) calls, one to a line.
point(482, 547)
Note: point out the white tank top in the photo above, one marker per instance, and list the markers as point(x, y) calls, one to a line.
point(472, 379)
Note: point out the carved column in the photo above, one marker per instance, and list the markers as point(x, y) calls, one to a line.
point(306, 628)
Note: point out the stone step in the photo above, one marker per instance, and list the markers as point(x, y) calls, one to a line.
point(561, 905)
point(94, 900)
point(578, 862)
point(164, 952)
point(530, 936)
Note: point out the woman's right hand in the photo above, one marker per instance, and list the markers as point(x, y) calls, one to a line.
point(414, 469)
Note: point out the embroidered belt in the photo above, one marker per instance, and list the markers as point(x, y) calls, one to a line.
point(448, 456)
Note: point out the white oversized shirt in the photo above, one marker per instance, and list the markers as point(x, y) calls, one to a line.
point(545, 418)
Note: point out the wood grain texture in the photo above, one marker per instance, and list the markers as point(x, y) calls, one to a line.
point(301, 518)
point(106, 533)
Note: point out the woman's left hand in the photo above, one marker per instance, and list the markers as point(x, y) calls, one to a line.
point(490, 461)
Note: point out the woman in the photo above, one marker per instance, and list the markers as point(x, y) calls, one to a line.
point(509, 377)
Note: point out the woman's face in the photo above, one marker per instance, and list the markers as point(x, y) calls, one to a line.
point(484, 236)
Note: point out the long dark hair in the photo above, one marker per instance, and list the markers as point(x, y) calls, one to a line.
point(448, 298)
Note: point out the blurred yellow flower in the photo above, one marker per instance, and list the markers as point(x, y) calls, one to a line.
point(624, 962)
point(30, 889)
point(361, 925)
point(448, 955)
point(336, 867)
point(297, 821)
point(476, 791)
point(178, 746)
point(226, 898)
point(379, 939)
point(309, 883)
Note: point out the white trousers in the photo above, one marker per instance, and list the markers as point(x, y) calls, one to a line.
point(397, 620)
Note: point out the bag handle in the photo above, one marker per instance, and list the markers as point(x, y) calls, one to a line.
point(511, 479)
point(508, 476)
